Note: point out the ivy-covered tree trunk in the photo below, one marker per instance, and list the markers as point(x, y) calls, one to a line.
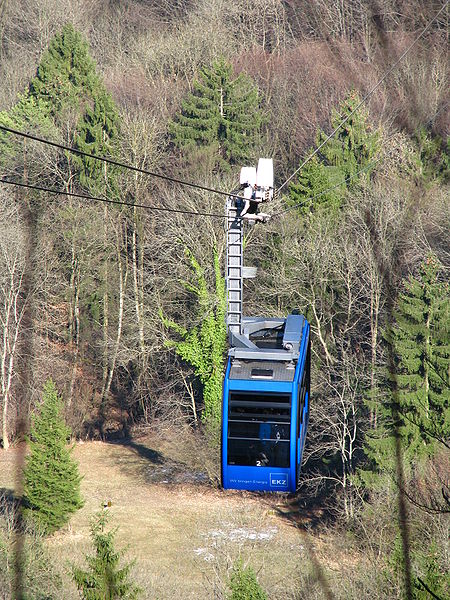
point(203, 346)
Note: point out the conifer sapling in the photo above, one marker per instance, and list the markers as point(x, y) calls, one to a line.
point(51, 477)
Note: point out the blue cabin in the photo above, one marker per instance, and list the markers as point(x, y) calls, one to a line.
point(266, 404)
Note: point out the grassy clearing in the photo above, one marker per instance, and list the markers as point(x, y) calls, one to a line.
point(184, 537)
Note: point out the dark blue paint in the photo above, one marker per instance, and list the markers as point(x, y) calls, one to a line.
point(269, 478)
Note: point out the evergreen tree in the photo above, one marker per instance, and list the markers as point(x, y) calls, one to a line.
point(244, 585)
point(204, 345)
point(68, 86)
point(29, 114)
point(315, 181)
point(58, 96)
point(66, 78)
point(51, 478)
point(351, 149)
point(67, 97)
point(355, 144)
point(98, 133)
point(104, 579)
point(221, 116)
point(433, 156)
point(420, 385)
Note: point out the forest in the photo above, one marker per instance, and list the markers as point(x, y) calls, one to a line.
point(112, 277)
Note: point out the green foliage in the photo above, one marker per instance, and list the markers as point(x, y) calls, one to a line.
point(104, 579)
point(355, 144)
point(67, 95)
point(40, 580)
point(28, 114)
point(316, 179)
point(432, 574)
point(203, 346)
point(418, 390)
point(60, 94)
point(66, 76)
point(434, 156)
point(426, 567)
point(71, 90)
point(221, 116)
point(244, 585)
point(18, 156)
point(98, 133)
point(51, 478)
point(350, 150)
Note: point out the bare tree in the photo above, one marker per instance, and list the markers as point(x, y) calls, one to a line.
point(12, 302)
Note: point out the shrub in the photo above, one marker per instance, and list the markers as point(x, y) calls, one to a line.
point(104, 579)
point(244, 585)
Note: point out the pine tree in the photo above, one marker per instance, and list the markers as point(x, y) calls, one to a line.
point(98, 133)
point(68, 86)
point(244, 585)
point(68, 94)
point(355, 144)
point(204, 345)
point(104, 579)
point(350, 150)
point(66, 77)
point(420, 385)
point(73, 97)
point(315, 181)
point(433, 160)
point(61, 92)
point(221, 116)
point(61, 86)
point(51, 478)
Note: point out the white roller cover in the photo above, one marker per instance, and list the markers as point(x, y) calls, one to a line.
point(264, 175)
point(248, 176)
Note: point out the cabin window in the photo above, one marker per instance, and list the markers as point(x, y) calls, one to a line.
point(259, 429)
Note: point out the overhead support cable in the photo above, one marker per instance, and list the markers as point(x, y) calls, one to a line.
point(204, 214)
point(368, 167)
point(127, 166)
point(116, 163)
point(109, 200)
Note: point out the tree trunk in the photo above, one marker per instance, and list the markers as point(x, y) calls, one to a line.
point(13, 307)
point(374, 314)
point(105, 308)
point(123, 276)
point(75, 323)
point(138, 285)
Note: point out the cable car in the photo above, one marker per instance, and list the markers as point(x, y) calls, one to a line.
point(266, 404)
